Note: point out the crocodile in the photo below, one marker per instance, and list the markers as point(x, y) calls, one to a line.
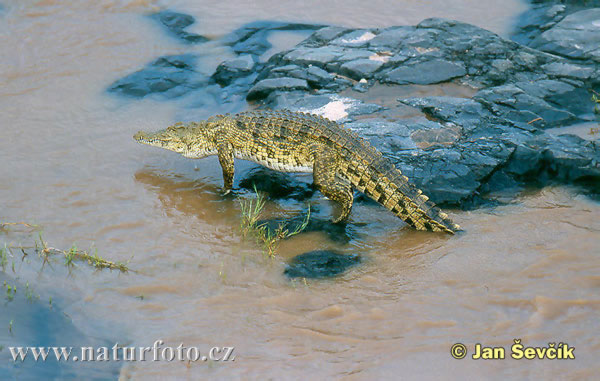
point(288, 141)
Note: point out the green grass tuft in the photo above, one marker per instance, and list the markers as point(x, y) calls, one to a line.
point(269, 239)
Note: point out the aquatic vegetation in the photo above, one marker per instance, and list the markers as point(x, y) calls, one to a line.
point(46, 252)
point(94, 260)
point(267, 237)
point(10, 291)
point(29, 294)
point(4, 257)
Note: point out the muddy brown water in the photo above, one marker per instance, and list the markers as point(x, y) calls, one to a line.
point(525, 270)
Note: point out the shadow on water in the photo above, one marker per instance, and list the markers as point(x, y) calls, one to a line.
point(29, 321)
point(206, 201)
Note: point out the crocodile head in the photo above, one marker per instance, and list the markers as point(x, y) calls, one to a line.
point(193, 140)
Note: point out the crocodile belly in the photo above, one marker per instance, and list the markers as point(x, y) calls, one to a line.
point(289, 165)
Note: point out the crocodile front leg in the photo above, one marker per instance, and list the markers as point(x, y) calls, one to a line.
point(225, 153)
point(327, 181)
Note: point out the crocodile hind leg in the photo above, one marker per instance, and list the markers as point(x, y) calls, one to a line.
point(331, 185)
point(225, 153)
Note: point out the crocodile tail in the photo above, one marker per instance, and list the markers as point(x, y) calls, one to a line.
point(392, 189)
point(410, 204)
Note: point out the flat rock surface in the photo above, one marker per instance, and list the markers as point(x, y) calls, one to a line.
point(576, 36)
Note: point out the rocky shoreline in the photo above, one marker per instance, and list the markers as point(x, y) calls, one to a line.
point(513, 132)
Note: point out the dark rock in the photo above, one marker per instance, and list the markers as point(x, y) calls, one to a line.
point(493, 156)
point(361, 68)
point(318, 77)
point(426, 73)
point(232, 69)
point(355, 54)
point(315, 76)
point(569, 70)
point(391, 38)
point(317, 56)
point(320, 264)
point(462, 111)
point(574, 99)
point(252, 38)
point(444, 136)
point(539, 17)
point(325, 35)
point(169, 76)
point(263, 88)
point(576, 36)
point(176, 23)
point(525, 102)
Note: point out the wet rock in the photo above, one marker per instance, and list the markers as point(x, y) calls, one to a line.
point(525, 102)
point(361, 68)
point(320, 264)
point(464, 111)
point(252, 38)
point(315, 76)
point(319, 56)
point(496, 153)
point(426, 73)
point(325, 35)
point(391, 38)
point(176, 23)
point(232, 69)
point(318, 77)
point(561, 94)
point(168, 76)
point(539, 17)
point(265, 87)
point(576, 36)
point(568, 70)
point(444, 136)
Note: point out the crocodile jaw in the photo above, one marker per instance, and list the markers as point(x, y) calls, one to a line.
point(177, 142)
point(163, 139)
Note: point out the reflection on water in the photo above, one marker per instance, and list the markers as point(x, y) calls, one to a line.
point(525, 270)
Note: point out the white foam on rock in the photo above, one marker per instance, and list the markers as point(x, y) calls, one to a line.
point(336, 109)
point(364, 37)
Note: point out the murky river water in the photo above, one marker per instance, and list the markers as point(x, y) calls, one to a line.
point(527, 270)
